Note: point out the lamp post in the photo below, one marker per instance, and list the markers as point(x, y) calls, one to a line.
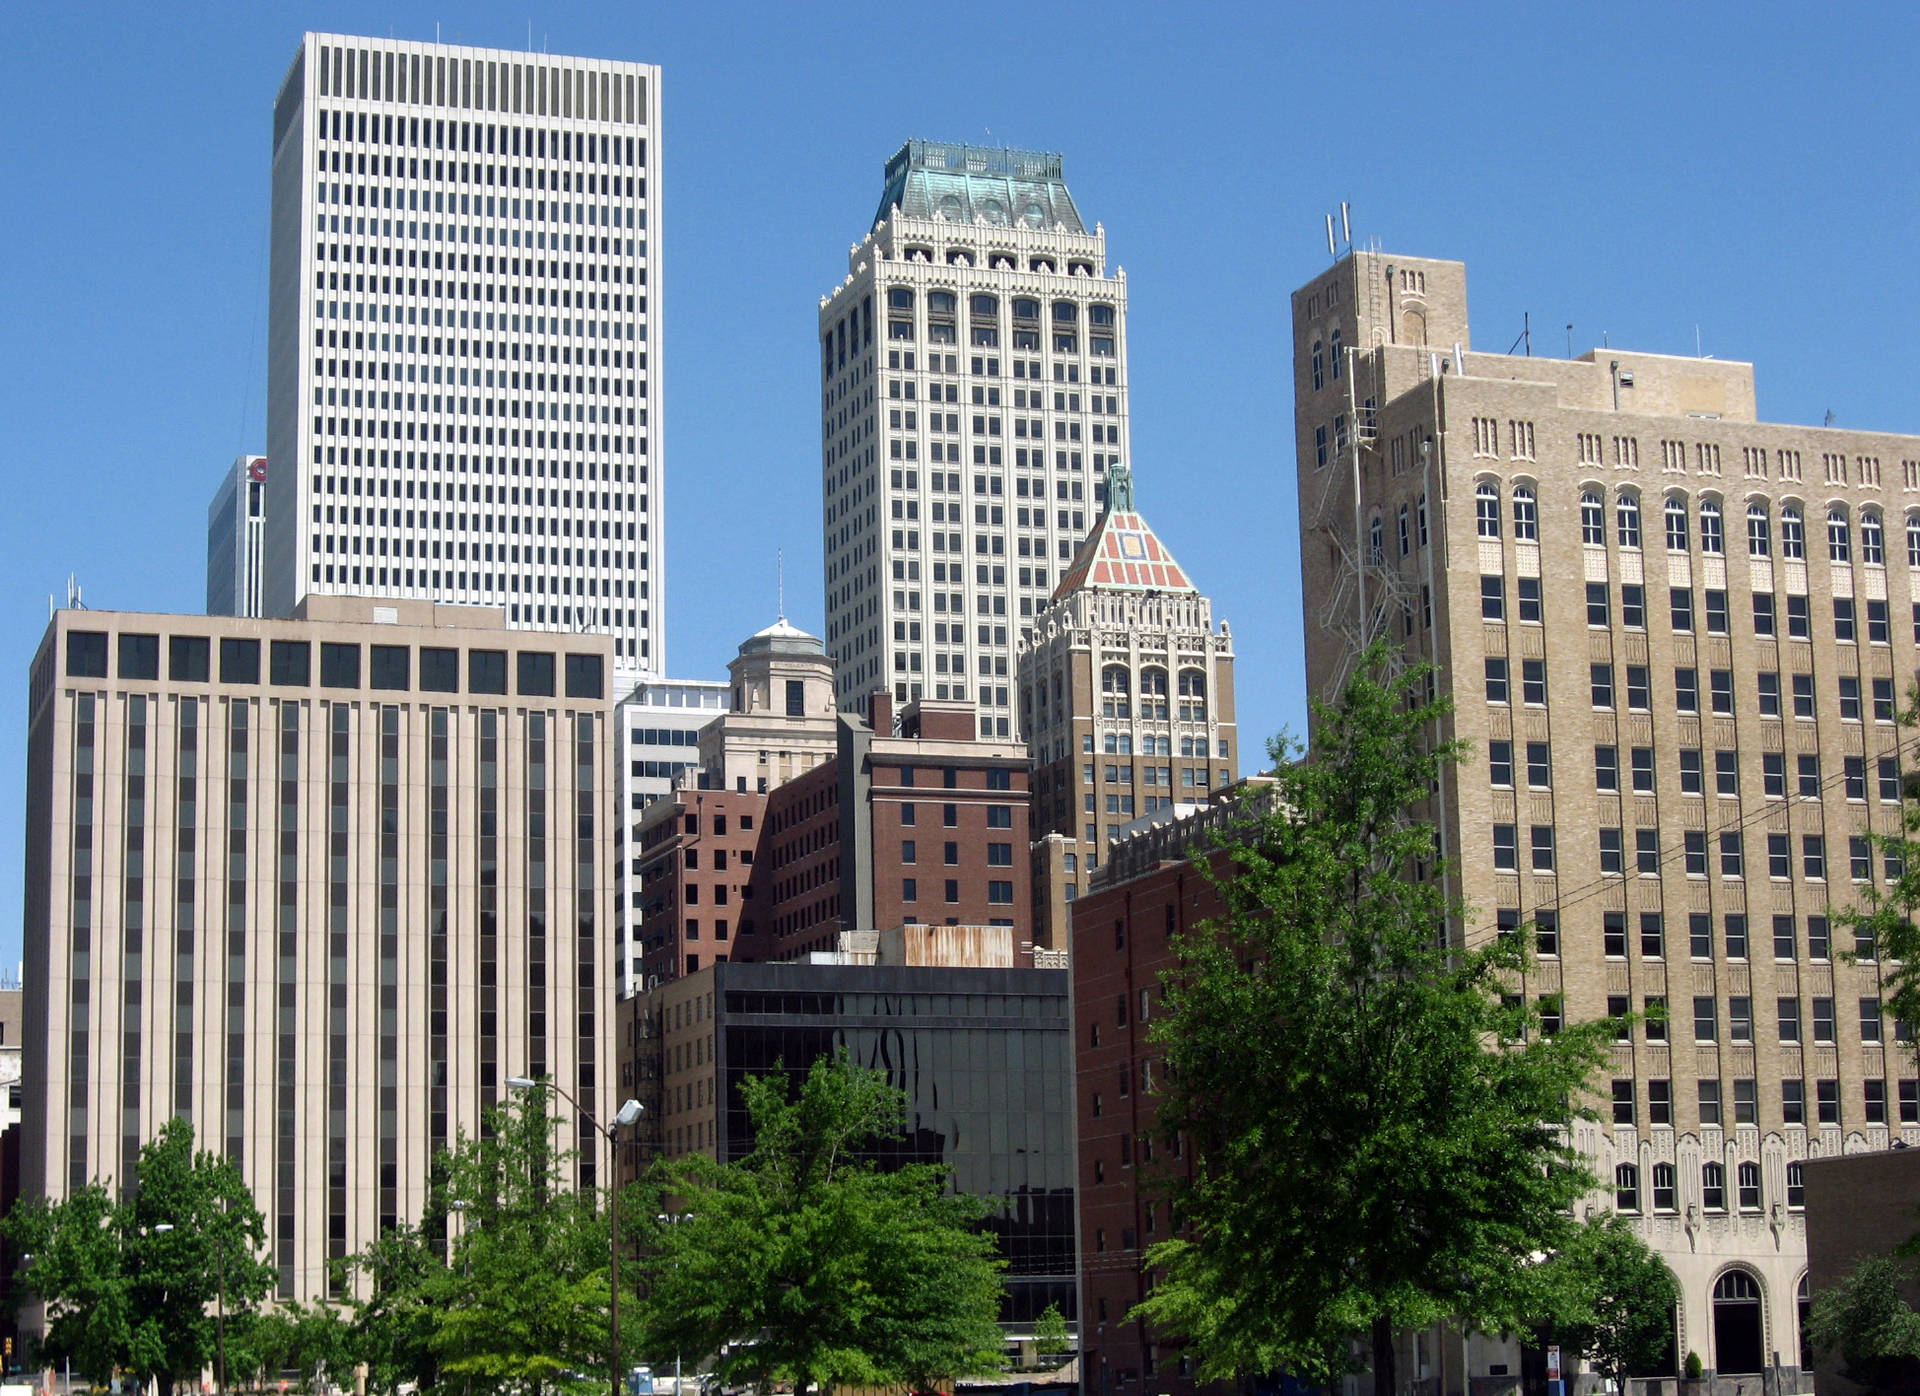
point(628, 1113)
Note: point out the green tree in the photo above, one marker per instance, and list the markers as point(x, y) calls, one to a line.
point(1875, 1332)
point(806, 1263)
point(1884, 918)
point(1379, 1127)
point(1050, 1332)
point(524, 1301)
point(1615, 1298)
point(404, 1287)
point(134, 1283)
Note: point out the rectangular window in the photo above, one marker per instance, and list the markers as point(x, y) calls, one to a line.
point(1736, 932)
point(1542, 847)
point(1746, 1109)
point(585, 676)
point(1700, 935)
point(1819, 939)
point(1682, 609)
point(1732, 856)
point(533, 674)
point(1623, 1102)
point(1799, 618)
point(1686, 690)
point(486, 671)
point(1823, 1024)
point(1642, 759)
point(1716, 606)
point(1720, 691)
point(1779, 856)
point(1773, 778)
point(1874, 1100)
point(1887, 772)
point(1786, 938)
point(189, 658)
point(1506, 848)
point(139, 656)
point(1606, 768)
point(1493, 598)
point(87, 653)
point(1496, 680)
point(1826, 1102)
point(1879, 627)
point(1843, 619)
point(1500, 763)
point(389, 667)
point(1910, 1102)
point(290, 663)
point(1854, 774)
point(239, 661)
point(1769, 686)
point(1813, 856)
point(1789, 1017)
point(1653, 935)
point(1614, 934)
point(1612, 857)
point(1528, 590)
point(1533, 681)
point(1883, 700)
point(1709, 1102)
point(1646, 851)
point(1633, 606)
point(1546, 933)
point(1726, 772)
point(1539, 766)
point(439, 670)
point(1793, 1103)
point(1695, 843)
point(1691, 774)
point(1849, 698)
point(1598, 607)
point(1859, 859)
point(1869, 1020)
point(1739, 1018)
point(1602, 684)
point(1706, 1023)
point(1763, 613)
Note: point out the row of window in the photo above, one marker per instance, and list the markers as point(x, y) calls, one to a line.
point(1649, 857)
point(1654, 1022)
point(1686, 689)
point(290, 664)
point(1713, 1187)
point(1746, 1102)
point(1700, 938)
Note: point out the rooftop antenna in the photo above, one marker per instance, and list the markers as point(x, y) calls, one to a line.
point(1569, 339)
point(1696, 343)
point(1346, 224)
point(1526, 334)
point(780, 582)
point(529, 33)
point(436, 31)
point(1830, 419)
point(1331, 250)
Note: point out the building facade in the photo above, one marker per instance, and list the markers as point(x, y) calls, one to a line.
point(973, 397)
point(236, 539)
point(319, 886)
point(1126, 700)
point(983, 1055)
point(460, 395)
point(1675, 637)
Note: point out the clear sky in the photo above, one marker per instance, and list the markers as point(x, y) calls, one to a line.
point(1737, 178)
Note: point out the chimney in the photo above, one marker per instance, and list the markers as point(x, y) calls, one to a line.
point(880, 712)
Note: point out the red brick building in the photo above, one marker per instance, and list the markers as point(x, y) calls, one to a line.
point(697, 850)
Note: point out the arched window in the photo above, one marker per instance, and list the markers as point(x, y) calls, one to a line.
point(1193, 696)
point(1839, 541)
point(1873, 539)
point(1593, 519)
point(1376, 541)
point(1334, 350)
point(1739, 1344)
point(940, 302)
point(1319, 365)
point(986, 307)
point(1065, 313)
point(1713, 1186)
point(1626, 1188)
point(1663, 1188)
point(1626, 514)
point(1759, 531)
point(1153, 694)
point(1116, 691)
point(1526, 514)
point(899, 298)
point(1793, 533)
point(1676, 516)
point(1747, 1177)
point(1406, 537)
point(1026, 308)
point(1486, 505)
point(1796, 1186)
point(1712, 535)
point(1913, 540)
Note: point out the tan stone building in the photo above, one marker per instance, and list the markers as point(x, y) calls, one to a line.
point(1126, 697)
point(319, 886)
point(1675, 637)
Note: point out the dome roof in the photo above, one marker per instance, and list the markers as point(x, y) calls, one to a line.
point(783, 638)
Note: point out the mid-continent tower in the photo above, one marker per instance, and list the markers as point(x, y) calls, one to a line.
point(973, 399)
point(463, 385)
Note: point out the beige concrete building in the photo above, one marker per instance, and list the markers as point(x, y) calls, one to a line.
point(783, 720)
point(1126, 697)
point(319, 886)
point(973, 398)
point(1675, 636)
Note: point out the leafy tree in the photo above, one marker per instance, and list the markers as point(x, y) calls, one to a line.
point(1380, 1135)
point(1615, 1298)
point(804, 1262)
point(1875, 1331)
point(1050, 1332)
point(1885, 918)
point(524, 1301)
point(407, 1288)
point(133, 1283)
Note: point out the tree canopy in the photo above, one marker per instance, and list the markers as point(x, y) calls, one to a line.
point(1615, 1300)
point(1378, 1120)
point(806, 1262)
point(1864, 1320)
point(1884, 919)
point(133, 1283)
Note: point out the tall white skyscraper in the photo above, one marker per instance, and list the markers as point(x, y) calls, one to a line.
point(461, 404)
point(236, 532)
point(973, 397)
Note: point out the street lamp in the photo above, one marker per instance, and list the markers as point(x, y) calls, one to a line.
point(628, 1113)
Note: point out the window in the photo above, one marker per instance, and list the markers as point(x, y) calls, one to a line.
point(1675, 514)
point(1819, 938)
point(1748, 1179)
point(1838, 547)
point(1855, 773)
point(1626, 1177)
point(87, 654)
point(1706, 1018)
point(1739, 1018)
point(439, 670)
point(1873, 539)
point(1539, 765)
point(1700, 935)
point(1788, 1011)
point(1614, 934)
point(1496, 680)
point(1500, 763)
point(1646, 852)
point(1623, 1103)
point(1813, 856)
point(1779, 856)
point(1793, 1111)
point(1803, 696)
point(1597, 607)
point(189, 658)
point(1606, 768)
point(1849, 696)
point(1859, 859)
point(1542, 837)
point(1769, 694)
point(1808, 766)
point(1526, 515)
point(1486, 504)
point(1602, 684)
point(1654, 1010)
point(1593, 522)
point(388, 666)
point(1709, 1102)
point(1823, 1020)
point(1680, 606)
point(1506, 848)
point(1653, 935)
point(1612, 859)
point(1883, 700)
point(1642, 759)
point(290, 663)
point(1793, 538)
point(1796, 1183)
point(1843, 629)
point(1786, 938)
point(1713, 1187)
point(1686, 690)
point(1732, 856)
point(1493, 598)
point(1716, 611)
point(1888, 772)
point(1826, 1102)
point(1664, 1199)
point(1726, 772)
point(1759, 533)
point(1712, 535)
point(139, 657)
point(1746, 1102)
point(1799, 620)
point(1546, 932)
point(1626, 515)
point(1633, 606)
point(1529, 595)
point(486, 671)
point(1763, 613)
point(1869, 1020)
point(533, 674)
point(1690, 771)
point(1879, 623)
point(1533, 681)
point(1639, 688)
point(239, 660)
point(586, 676)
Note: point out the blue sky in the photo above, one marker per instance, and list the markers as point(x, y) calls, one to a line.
point(1740, 172)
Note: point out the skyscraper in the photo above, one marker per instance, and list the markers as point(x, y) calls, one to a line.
point(973, 397)
point(1675, 636)
point(460, 399)
point(236, 529)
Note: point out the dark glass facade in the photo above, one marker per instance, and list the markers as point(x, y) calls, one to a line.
point(985, 1059)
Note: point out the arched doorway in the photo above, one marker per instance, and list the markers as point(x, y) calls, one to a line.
point(1803, 1309)
point(1738, 1342)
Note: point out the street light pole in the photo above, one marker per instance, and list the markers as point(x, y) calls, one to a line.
point(629, 1112)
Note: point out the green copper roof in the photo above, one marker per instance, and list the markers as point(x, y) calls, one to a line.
point(961, 183)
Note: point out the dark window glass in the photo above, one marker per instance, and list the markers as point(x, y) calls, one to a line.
point(533, 677)
point(796, 698)
point(189, 658)
point(1799, 619)
point(1529, 594)
point(1716, 613)
point(239, 661)
point(339, 665)
point(1493, 598)
point(139, 656)
point(1763, 613)
point(1633, 606)
point(1682, 608)
point(389, 667)
point(86, 654)
point(586, 678)
point(439, 670)
point(486, 671)
point(1597, 605)
point(291, 663)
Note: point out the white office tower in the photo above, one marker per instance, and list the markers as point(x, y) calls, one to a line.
point(974, 389)
point(236, 529)
point(461, 405)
